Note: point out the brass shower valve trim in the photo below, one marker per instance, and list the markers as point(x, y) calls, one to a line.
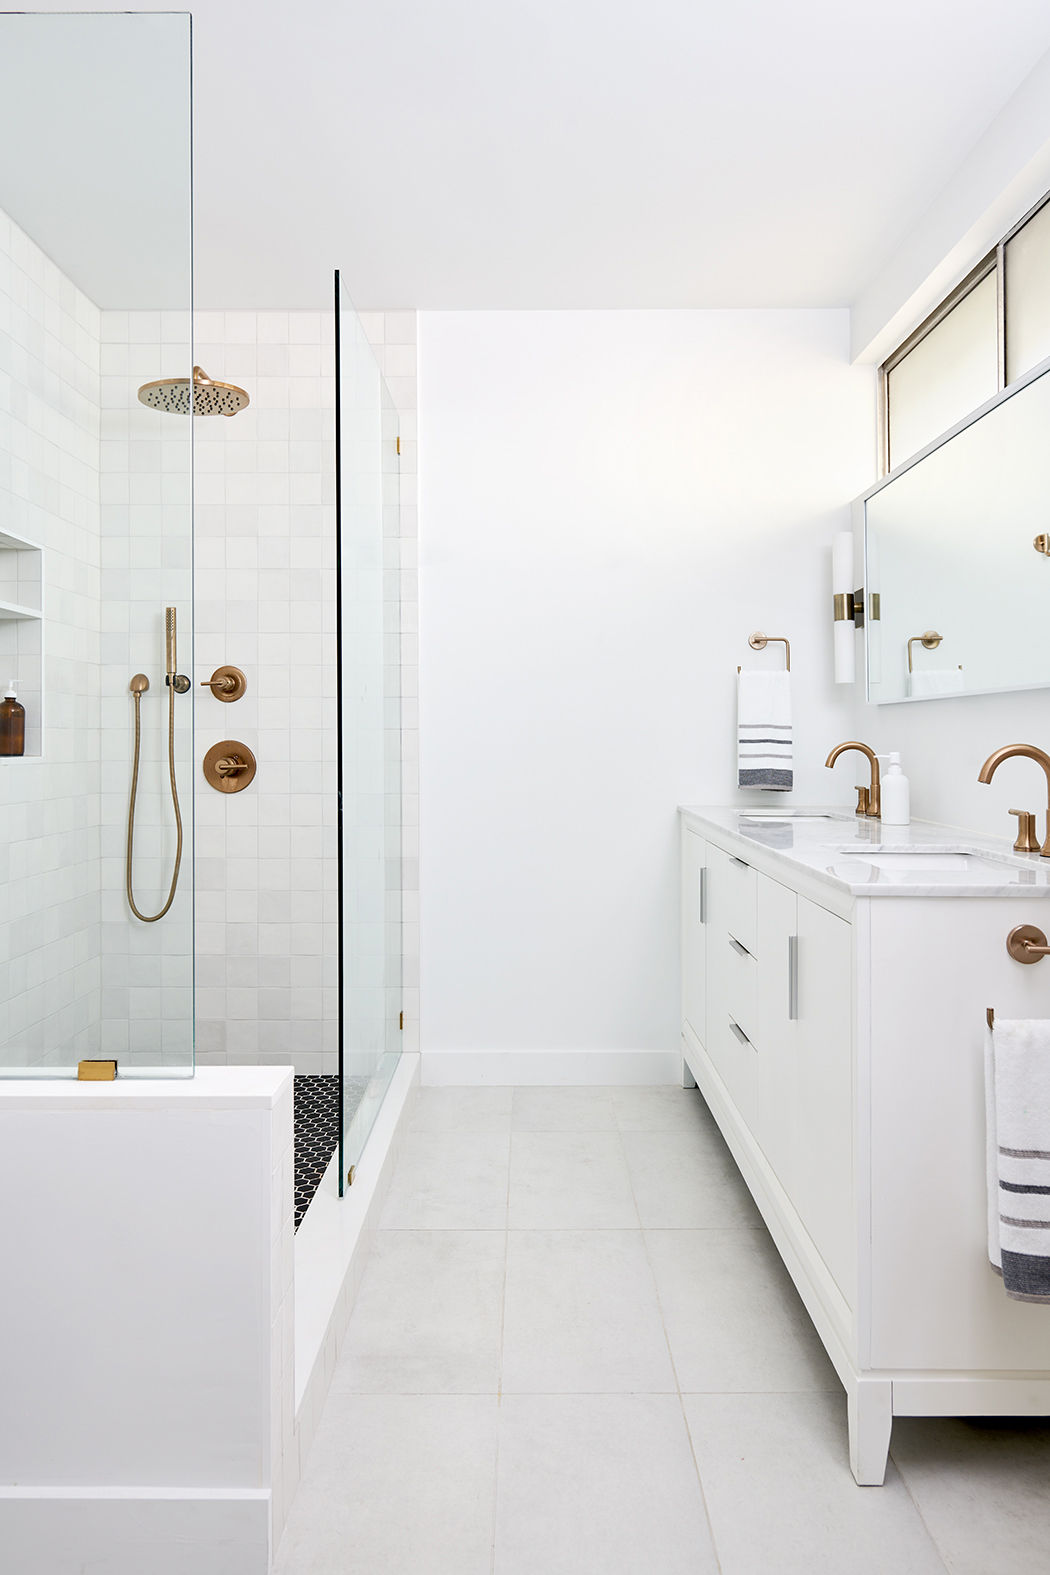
point(229, 766)
point(226, 684)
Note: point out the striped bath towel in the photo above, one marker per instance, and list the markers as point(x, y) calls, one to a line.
point(1017, 1102)
point(763, 708)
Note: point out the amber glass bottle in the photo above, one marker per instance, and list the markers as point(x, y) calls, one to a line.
point(12, 724)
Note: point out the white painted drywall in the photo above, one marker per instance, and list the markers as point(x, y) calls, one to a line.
point(610, 503)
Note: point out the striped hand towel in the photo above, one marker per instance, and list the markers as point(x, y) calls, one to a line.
point(1017, 1103)
point(763, 708)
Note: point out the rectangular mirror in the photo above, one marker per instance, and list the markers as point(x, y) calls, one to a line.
point(957, 594)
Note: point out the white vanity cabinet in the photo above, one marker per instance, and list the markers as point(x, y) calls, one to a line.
point(838, 1039)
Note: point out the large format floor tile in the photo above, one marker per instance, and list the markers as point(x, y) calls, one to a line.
point(734, 1320)
point(598, 1485)
point(582, 1315)
point(570, 1181)
point(564, 1279)
point(685, 1180)
point(396, 1485)
point(781, 1497)
point(564, 1110)
point(462, 1110)
point(427, 1316)
point(659, 1109)
point(449, 1181)
point(983, 1488)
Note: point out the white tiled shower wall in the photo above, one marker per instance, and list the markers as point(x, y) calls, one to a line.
point(145, 488)
point(265, 515)
point(49, 807)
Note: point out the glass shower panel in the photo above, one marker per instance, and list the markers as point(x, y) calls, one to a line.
point(369, 731)
point(96, 543)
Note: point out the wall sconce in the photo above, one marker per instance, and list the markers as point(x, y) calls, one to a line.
point(842, 590)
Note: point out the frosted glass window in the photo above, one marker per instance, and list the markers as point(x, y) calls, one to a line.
point(1028, 295)
point(950, 372)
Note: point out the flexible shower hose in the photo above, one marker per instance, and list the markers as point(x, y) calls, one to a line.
point(151, 918)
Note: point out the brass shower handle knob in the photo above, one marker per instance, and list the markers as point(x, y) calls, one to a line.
point(229, 766)
point(226, 683)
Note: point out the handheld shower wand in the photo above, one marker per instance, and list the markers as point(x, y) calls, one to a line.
point(177, 683)
point(174, 679)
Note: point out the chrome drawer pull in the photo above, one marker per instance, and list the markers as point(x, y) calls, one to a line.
point(793, 978)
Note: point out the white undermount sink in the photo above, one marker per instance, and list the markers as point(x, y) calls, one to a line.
point(925, 859)
point(789, 820)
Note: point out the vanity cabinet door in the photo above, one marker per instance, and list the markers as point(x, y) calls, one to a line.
point(822, 1185)
point(776, 1032)
point(694, 933)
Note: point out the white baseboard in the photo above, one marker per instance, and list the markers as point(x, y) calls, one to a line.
point(548, 1068)
point(128, 1531)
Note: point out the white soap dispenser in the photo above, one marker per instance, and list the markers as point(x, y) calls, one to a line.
point(895, 793)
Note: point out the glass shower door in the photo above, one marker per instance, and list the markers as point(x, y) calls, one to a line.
point(368, 629)
point(96, 544)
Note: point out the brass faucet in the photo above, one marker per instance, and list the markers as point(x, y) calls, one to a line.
point(1030, 752)
point(869, 799)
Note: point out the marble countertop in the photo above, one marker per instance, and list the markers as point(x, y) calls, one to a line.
point(868, 859)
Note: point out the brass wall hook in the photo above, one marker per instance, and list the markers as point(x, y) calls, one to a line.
point(229, 766)
point(226, 684)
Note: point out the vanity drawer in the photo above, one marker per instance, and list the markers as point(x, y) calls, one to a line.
point(742, 987)
point(742, 903)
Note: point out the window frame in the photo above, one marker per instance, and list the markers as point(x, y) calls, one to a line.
point(994, 260)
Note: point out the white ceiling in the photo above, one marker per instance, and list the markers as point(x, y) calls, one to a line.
point(582, 153)
point(94, 133)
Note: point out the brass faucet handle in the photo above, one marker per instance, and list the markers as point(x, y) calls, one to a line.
point(1027, 840)
point(862, 801)
point(226, 683)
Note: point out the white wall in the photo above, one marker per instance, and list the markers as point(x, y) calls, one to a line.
point(172, 1446)
point(944, 743)
point(610, 503)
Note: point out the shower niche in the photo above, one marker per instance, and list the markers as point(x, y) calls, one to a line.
point(22, 630)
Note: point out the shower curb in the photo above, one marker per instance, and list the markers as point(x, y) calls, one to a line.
point(331, 1250)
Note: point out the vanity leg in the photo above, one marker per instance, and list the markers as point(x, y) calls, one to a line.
point(870, 1405)
point(688, 1080)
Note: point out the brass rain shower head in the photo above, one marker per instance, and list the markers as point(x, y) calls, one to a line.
point(209, 397)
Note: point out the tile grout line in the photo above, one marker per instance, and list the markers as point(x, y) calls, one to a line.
point(918, 1510)
point(502, 1328)
point(670, 1357)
